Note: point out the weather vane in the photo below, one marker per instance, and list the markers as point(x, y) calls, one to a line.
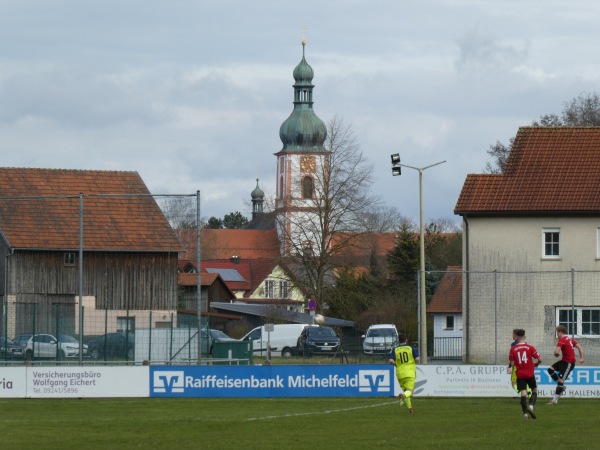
point(304, 36)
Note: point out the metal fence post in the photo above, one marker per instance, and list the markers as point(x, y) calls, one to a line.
point(495, 317)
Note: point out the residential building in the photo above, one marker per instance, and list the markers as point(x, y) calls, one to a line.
point(446, 308)
point(531, 244)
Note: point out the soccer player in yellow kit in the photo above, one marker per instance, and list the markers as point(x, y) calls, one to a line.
point(405, 358)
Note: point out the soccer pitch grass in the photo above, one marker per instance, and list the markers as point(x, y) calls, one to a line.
point(320, 423)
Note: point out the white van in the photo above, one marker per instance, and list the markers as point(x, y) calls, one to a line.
point(380, 339)
point(283, 339)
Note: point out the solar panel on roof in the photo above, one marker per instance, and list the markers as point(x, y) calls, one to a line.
point(228, 274)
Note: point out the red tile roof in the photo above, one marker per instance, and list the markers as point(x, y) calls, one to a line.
point(254, 271)
point(191, 279)
point(550, 170)
point(448, 295)
point(362, 244)
point(39, 209)
point(223, 244)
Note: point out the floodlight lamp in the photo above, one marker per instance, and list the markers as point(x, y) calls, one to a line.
point(396, 171)
point(395, 158)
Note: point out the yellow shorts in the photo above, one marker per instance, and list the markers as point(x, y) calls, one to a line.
point(407, 383)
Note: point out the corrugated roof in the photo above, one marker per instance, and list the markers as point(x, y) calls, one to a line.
point(279, 313)
point(40, 209)
point(549, 169)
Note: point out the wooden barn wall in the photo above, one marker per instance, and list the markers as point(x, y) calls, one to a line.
point(52, 314)
point(116, 280)
point(4, 250)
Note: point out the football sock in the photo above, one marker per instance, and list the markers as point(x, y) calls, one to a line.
point(408, 399)
point(524, 404)
point(559, 389)
point(533, 398)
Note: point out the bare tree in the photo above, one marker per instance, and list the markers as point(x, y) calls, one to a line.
point(342, 210)
point(582, 111)
point(180, 210)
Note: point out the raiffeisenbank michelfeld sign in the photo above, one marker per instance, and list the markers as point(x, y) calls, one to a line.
point(273, 381)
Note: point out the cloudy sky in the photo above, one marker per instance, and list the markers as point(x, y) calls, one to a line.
point(191, 94)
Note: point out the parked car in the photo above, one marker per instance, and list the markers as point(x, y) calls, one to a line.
point(380, 339)
point(48, 346)
point(208, 340)
point(283, 339)
point(318, 340)
point(114, 345)
point(9, 349)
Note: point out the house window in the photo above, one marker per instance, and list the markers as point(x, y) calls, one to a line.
point(449, 323)
point(269, 289)
point(582, 322)
point(551, 243)
point(69, 259)
point(307, 187)
point(284, 289)
point(597, 242)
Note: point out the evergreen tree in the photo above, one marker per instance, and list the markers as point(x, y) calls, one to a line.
point(214, 223)
point(234, 220)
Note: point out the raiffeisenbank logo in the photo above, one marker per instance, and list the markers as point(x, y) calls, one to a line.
point(169, 381)
point(374, 381)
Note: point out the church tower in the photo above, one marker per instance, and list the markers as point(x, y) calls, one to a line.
point(301, 166)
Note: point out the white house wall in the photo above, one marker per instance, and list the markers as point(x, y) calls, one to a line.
point(527, 288)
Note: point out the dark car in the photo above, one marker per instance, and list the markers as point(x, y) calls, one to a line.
point(9, 349)
point(112, 345)
point(318, 340)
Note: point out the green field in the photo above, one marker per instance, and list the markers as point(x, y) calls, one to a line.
point(340, 423)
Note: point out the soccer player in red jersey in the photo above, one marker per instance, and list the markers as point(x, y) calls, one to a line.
point(560, 370)
point(522, 356)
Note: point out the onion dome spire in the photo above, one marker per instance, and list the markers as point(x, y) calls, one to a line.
point(303, 130)
point(258, 198)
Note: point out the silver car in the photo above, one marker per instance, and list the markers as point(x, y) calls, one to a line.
point(48, 346)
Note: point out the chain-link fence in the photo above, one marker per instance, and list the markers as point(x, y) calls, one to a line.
point(100, 270)
point(96, 278)
point(495, 303)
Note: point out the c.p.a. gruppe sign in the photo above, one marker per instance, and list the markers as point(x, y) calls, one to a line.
point(273, 381)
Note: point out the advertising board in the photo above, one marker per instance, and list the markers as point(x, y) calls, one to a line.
point(272, 381)
point(73, 381)
point(365, 380)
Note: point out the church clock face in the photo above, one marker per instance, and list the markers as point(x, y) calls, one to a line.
point(308, 164)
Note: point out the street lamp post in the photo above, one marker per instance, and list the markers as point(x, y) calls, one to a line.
point(423, 303)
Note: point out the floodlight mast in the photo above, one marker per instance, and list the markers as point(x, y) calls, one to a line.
point(423, 302)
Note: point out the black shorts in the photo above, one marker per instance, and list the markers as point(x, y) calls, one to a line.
point(522, 383)
point(563, 368)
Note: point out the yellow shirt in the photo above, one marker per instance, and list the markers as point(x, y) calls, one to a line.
point(406, 365)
